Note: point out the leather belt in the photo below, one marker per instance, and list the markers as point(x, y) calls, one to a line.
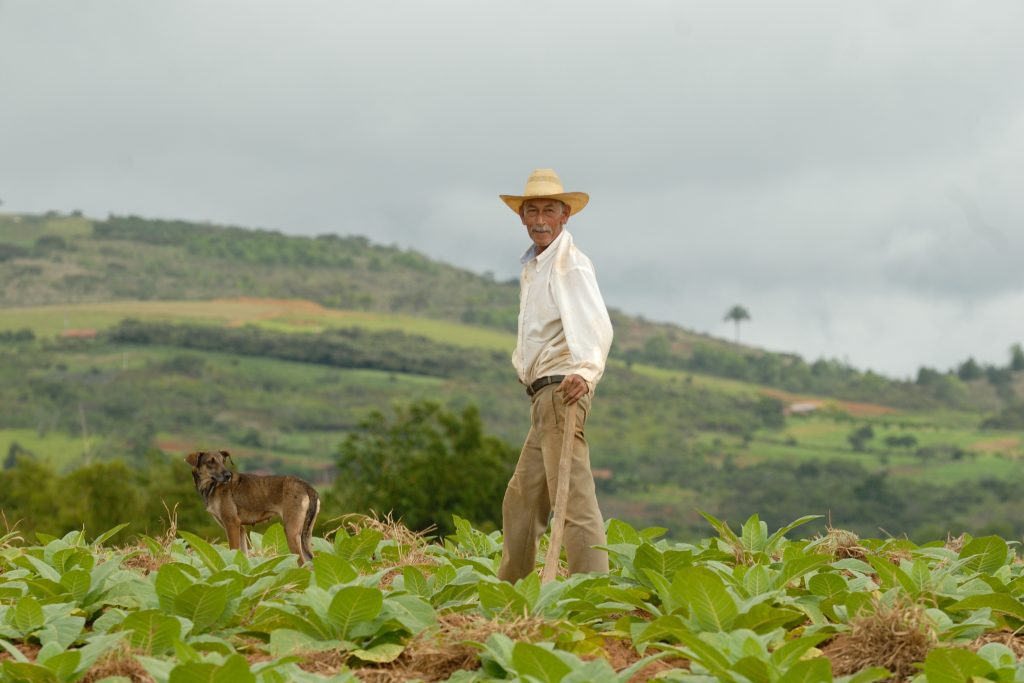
point(543, 382)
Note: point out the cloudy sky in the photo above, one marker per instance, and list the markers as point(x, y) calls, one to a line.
point(851, 173)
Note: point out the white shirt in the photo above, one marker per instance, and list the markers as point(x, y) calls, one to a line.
point(564, 328)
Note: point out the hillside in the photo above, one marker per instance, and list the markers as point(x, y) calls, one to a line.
point(125, 335)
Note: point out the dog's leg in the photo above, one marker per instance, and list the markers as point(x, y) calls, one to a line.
point(244, 537)
point(234, 528)
point(307, 525)
point(293, 532)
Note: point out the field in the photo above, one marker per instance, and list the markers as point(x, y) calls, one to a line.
point(379, 603)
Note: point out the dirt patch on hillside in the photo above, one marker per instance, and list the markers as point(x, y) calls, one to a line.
point(996, 445)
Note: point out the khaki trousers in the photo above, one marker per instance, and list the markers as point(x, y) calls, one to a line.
point(530, 496)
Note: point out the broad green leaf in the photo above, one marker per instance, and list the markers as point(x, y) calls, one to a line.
point(285, 641)
point(207, 553)
point(202, 604)
point(64, 665)
point(816, 670)
point(497, 597)
point(754, 534)
point(28, 671)
point(987, 554)
point(380, 654)
point(415, 582)
point(543, 665)
point(274, 539)
point(777, 536)
point(63, 631)
point(352, 605)
point(77, 582)
point(798, 567)
point(711, 606)
point(152, 631)
point(359, 547)
point(412, 612)
point(330, 570)
point(28, 615)
point(872, 675)
point(234, 670)
point(791, 651)
point(997, 602)
point(664, 563)
point(171, 580)
point(763, 618)
point(827, 585)
point(757, 580)
point(723, 530)
point(621, 532)
point(954, 665)
point(754, 668)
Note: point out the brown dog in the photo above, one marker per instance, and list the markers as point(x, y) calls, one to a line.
point(246, 499)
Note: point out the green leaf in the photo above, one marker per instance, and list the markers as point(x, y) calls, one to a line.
point(753, 668)
point(816, 670)
point(152, 631)
point(202, 604)
point(987, 554)
point(380, 654)
point(28, 615)
point(949, 665)
point(872, 675)
point(234, 670)
point(533, 660)
point(109, 533)
point(791, 651)
point(64, 665)
point(415, 582)
point(207, 553)
point(777, 536)
point(754, 534)
point(763, 618)
point(330, 570)
point(997, 602)
point(359, 547)
point(286, 641)
point(352, 605)
point(28, 671)
point(171, 580)
point(723, 530)
point(499, 597)
point(63, 631)
point(412, 612)
point(275, 539)
point(827, 585)
point(757, 581)
point(77, 582)
point(798, 567)
point(664, 563)
point(621, 532)
point(711, 606)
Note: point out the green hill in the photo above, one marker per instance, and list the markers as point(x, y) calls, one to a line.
point(122, 335)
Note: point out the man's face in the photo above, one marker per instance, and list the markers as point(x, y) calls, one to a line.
point(544, 219)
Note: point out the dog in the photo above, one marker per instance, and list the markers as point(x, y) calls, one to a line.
point(236, 500)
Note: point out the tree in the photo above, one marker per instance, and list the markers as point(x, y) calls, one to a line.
point(859, 437)
point(969, 370)
point(1016, 358)
point(425, 464)
point(737, 314)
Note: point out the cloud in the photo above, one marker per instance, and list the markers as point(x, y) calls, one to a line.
point(848, 172)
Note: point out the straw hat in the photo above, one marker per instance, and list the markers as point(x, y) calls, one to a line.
point(544, 183)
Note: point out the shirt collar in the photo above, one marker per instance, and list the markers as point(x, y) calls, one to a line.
point(547, 254)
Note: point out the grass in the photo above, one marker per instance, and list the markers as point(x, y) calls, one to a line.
point(277, 314)
point(56, 448)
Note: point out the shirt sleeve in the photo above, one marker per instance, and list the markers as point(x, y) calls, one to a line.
point(588, 329)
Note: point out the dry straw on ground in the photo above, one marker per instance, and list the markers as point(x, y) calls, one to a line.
point(894, 636)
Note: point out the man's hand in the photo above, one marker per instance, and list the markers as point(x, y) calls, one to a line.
point(573, 388)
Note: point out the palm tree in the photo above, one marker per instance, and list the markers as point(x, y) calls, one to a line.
point(737, 314)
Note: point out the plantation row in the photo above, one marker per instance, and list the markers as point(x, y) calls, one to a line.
point(380, 604)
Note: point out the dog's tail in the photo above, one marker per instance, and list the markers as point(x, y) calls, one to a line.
point(307, 526)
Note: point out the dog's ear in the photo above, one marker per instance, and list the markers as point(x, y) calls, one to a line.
point(194, 458)
point(227, 456)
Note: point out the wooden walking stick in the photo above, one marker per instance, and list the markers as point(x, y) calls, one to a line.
point(561, 495)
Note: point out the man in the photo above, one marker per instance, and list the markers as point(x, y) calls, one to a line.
point(563, 341)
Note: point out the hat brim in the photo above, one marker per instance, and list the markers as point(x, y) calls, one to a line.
point(575, 200)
